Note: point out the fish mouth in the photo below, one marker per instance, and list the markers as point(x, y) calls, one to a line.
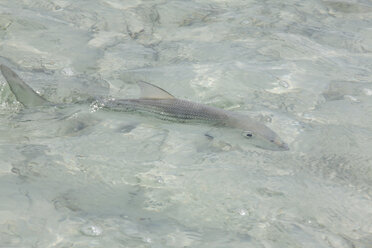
point(272, 147)
point(283, 147)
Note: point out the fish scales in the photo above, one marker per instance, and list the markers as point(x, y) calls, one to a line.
point(175, 109)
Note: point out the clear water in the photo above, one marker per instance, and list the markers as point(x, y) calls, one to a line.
point(71, 176)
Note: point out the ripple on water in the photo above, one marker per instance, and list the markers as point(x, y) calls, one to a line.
point(74, 175)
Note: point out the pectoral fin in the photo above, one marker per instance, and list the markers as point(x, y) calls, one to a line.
point(24, 93)
point(150, 91)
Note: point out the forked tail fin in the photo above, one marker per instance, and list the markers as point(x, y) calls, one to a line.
point(24, 93)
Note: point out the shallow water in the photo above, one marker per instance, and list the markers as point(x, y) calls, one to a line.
point(75, 176)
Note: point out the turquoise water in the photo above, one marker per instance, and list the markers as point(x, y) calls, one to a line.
point(75, 176)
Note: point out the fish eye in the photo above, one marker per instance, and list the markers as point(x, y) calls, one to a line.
point(248, 134)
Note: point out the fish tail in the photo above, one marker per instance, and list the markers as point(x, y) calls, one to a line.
point(23, 93)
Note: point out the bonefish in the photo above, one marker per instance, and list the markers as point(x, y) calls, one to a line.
point(156, 101)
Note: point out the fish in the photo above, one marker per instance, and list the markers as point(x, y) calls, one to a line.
point(158, 102)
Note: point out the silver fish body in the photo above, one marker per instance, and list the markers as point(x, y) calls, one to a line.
point(186, 111)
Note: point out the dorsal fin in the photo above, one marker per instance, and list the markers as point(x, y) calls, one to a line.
point(24, 93)
point(150, 91)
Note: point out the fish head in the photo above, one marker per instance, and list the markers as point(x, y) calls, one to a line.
point(256, 132)
point(264, 137)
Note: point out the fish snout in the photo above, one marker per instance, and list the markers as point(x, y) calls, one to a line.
point(281, 144)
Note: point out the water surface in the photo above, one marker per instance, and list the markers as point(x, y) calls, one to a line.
point(75, 176)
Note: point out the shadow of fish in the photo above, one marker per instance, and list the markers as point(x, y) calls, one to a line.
point(163, 105)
